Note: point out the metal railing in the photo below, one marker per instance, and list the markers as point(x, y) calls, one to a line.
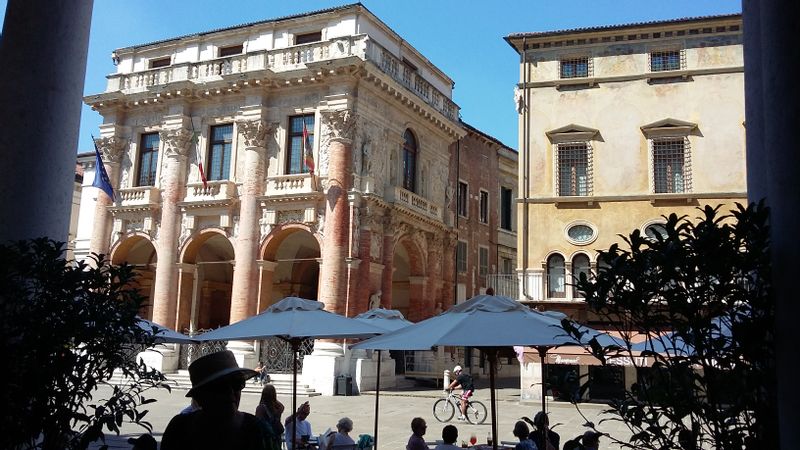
point(506, 285)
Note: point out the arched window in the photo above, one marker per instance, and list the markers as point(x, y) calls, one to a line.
point(556, 273)
point(409, 161)
point(580, 264)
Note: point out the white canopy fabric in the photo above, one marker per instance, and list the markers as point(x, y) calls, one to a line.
point(388, 319)
point(164, 335)
point(290, 318)
point(482, 321)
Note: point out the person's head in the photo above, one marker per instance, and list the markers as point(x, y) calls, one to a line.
point(489, 291)
point(521, 430)
point(418, 426)
point(591, 439)
point(268, 395)
point(344, 425)
point(457, 370)
point(540, 420)
point(449, 434)
point(217, 382)
point(143, 442)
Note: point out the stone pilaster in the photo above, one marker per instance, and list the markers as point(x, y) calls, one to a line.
point(244, 297)
point(175, 142)
point(111, 151)
point(388, 263)
point(433, 296)
point(448, 271)
point(266, 276)
point(337, 215)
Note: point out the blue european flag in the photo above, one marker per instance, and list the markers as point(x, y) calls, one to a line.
point(101, 179)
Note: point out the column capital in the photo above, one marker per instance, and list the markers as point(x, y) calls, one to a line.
point(187, 268)
point(264, 264)
point(255, 132)
point(176, 141)
point(111, 148)
point(341, 124)
point(352, 263)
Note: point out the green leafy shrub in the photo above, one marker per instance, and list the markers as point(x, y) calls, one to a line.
point(65, 328)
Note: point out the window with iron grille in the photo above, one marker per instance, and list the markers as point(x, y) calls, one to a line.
point(577, 67)
point(670, 157)
point(231, 50)
point(574, 169)
point(148, 160)
point(483, 261)
point(461, 257)
point(409, 161)
point(484, 207)
point(308, 38)
point(663, 60)
point(463, 197)
point(556, 274)
point(295, 155)
point(506, 195)
point(219, 152)
point(580, 265)
point(160, 62)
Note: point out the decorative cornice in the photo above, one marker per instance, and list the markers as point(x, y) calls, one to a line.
point(341, 123)
point(111, 148)
point(176, 141)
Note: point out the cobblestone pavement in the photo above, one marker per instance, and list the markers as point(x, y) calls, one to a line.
point(397, 408)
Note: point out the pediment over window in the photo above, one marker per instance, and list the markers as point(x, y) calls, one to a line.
point(573, 133)
point(668, 127)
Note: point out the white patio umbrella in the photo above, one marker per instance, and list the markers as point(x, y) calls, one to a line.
point(164, 335)
point(485, 321)
point(293, 319)
point(389, 320)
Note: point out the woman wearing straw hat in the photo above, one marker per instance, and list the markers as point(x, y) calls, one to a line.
point(217, 383)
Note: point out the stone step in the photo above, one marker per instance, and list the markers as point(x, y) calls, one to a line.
point(283, 384)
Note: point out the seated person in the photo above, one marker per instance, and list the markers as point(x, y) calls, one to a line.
point(542, 422)
point(416, 442)
point(449, 436)
point(521, 431)
point(303, 428)
point(342, 435)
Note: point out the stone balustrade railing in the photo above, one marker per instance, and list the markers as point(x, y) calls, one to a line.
point(414, 202)
point(287, 185)
point(216, 190)
point(142, 195)
point(286, 59)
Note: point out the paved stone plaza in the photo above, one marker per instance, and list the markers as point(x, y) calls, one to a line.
point(397, 408)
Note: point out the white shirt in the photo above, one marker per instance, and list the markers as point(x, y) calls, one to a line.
point(303, 429)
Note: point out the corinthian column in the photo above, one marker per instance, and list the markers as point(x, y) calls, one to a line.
point(111, 151)
point(173, 185)
point(333, 273)
point(245, 274)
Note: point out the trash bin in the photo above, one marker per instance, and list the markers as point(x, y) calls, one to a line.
point(344, 385)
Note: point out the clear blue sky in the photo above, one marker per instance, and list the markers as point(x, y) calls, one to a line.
point(464, 38)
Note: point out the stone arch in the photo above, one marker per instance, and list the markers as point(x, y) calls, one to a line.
point(207, 260)
point(136, 249)
point(290, 266)
point(409, 281)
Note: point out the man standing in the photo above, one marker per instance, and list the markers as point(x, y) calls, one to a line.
point(463, 380)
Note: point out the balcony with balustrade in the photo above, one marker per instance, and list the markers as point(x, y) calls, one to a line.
point(290, 187)
point(413, 202)
point(217, 193)
point(254, 66)
point(140, 196)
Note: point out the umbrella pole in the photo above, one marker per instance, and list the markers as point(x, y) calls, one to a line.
point(294, 390)
point(543, 357)
point(377, 394)
point(492, 354)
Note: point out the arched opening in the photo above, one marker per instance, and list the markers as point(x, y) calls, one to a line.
point(401, 281)
point(580, 265)
point(206, 291)
point(139, 252)
point(556, 286)
point(409, 161)
point(294, 255)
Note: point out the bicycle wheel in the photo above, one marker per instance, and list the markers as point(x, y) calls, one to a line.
point(443, 410)
point(476, 412)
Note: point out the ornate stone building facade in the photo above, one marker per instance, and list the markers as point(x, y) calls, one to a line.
point(324, 139)
point(619, 126)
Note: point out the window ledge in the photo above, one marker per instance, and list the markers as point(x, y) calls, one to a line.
point(574, 83)
point(668, 76)
point(679, 197)
point(574, 201)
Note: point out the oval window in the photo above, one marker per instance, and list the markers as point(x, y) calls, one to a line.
point(655, 230)
point(580, 234)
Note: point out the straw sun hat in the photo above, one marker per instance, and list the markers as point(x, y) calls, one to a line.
point(213, 367)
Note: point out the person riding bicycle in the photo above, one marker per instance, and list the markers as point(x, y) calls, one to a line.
point(464, 381)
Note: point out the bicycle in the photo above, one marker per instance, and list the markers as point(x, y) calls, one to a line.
point(445, 408)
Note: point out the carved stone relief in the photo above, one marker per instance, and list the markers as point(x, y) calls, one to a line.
point(341, 124)
point(176, 141)
point(111, 148)
point(254, 132)
point(376, 245)
point(320, 225)
point(293, 216)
